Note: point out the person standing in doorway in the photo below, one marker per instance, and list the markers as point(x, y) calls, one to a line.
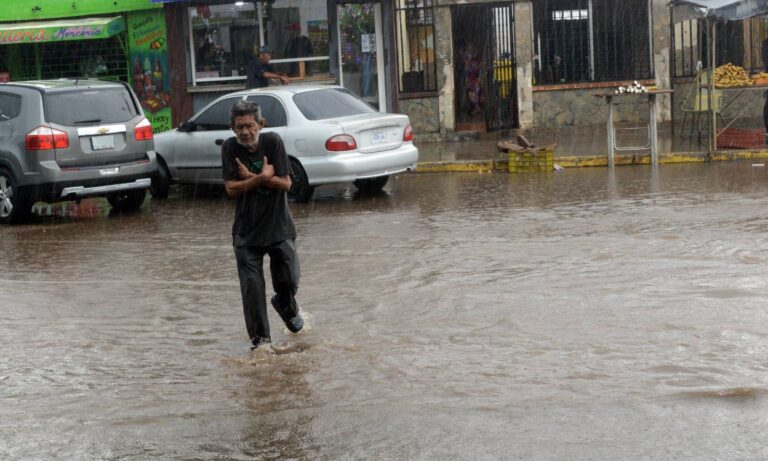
point(257, 174)
point(472, 73)
point(260, 70)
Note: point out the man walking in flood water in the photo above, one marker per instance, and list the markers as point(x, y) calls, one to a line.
point(257, 174)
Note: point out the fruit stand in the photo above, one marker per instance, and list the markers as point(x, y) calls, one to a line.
point(731, 79)
point(736, 84)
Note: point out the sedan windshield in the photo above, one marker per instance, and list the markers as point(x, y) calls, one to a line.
point(330, 103)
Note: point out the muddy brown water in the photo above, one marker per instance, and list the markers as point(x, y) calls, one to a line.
point(578, 315)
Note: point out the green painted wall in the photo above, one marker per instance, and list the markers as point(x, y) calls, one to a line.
point(30, 10)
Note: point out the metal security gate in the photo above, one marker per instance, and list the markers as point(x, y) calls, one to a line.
point(486, 88)
point(501, 101)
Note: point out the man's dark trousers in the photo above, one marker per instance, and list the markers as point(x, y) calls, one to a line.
point(284, 266)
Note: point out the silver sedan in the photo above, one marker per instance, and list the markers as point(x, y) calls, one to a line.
point(330, 135)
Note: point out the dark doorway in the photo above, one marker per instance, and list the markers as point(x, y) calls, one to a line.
point(484, 57)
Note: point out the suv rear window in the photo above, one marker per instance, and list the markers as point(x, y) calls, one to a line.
point(330, 103)
point(94, 105)
point(10, 106)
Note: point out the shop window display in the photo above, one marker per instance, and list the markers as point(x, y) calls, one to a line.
point(298, 33)
point(224, 38)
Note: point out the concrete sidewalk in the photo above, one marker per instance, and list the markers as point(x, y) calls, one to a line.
point(575, 147)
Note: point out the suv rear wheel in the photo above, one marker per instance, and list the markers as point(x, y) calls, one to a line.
point(127, 201)
point(14, 207)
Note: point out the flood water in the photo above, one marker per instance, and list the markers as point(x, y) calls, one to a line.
point(567, 316)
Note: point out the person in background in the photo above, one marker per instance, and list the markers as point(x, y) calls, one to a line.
point(205, 59)
point(257, 174)
point(299, 46)
point(472, 73)
point(260, 71)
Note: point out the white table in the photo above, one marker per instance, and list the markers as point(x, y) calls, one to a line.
point(653, 144)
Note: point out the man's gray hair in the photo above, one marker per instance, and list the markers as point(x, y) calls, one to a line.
point(243, 107)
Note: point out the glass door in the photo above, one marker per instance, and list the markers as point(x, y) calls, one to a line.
point(361, 51)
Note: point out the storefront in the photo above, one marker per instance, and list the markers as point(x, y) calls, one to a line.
point(221, 38)
point(224, 38)
point(89, 39)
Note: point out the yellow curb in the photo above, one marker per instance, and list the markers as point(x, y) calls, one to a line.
point(454, 167)
point(757, 154)
point(580, 161)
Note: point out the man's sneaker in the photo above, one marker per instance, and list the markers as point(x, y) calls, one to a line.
point(294, 324)
point(258, 342)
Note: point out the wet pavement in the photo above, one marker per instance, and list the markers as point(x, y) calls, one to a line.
point(586, 314)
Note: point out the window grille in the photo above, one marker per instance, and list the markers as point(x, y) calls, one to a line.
point(415, 33)
point(688, 37)
point(591, 40)
point(101, 58)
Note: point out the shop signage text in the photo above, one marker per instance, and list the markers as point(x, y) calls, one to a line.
point(50, 34)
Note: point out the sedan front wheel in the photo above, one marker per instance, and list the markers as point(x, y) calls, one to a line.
point(161, 183)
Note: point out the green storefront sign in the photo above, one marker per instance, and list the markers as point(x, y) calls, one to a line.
point(30, 10)
point(59, 31)
point(148, 57)
point(135, 30)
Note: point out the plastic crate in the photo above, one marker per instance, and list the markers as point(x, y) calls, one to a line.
point(741, 138)
point(531, 160)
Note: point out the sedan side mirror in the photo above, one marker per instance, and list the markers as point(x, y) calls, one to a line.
point(187, 126)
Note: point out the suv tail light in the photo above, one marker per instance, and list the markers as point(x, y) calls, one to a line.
point(45, 138)
point(143, 131)
point(408, 133)
point(341, 142)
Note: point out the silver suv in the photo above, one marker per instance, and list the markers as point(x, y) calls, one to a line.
point(70, 139)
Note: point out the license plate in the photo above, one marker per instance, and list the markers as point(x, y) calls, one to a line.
point(103, 142)
point(378, 138)
point(108, 171)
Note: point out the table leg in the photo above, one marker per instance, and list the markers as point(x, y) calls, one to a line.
point(653, 131)
point(611, 134)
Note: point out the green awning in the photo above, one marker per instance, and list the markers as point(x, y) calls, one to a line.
point(60, 30)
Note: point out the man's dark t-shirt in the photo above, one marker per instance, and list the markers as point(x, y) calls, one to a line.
point(255, 73)
point(262, 216)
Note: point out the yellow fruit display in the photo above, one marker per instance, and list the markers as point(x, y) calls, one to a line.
point(760, 79)
point(729, 76)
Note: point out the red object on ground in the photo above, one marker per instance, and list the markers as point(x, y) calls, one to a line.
point(741, 138)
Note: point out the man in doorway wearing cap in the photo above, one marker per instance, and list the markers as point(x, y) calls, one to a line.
point(260, 70)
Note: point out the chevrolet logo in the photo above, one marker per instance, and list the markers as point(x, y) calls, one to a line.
point(103, 130)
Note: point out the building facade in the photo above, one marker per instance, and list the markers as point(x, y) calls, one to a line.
point(118, 40)
point(451, 65)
